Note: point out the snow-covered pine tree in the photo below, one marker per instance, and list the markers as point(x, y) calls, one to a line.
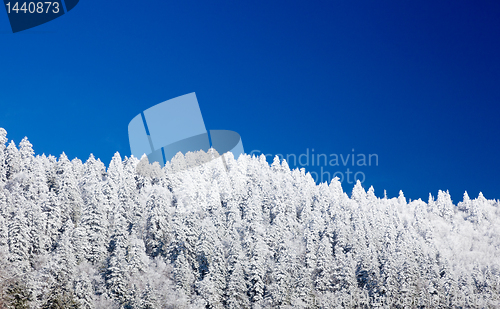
point(68, 193)
point(237, 235)
point(118, 270)
point(12, 161)
point(94, 215)
point(157, 229)
point(212, 272)
point(236, 289)
point(3, 154)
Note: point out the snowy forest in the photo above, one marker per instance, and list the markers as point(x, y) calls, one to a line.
point(231, 234)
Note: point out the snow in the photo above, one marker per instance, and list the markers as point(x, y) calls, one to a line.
point(232, 234)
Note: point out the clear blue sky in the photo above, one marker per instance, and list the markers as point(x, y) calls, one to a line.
point(416, 83)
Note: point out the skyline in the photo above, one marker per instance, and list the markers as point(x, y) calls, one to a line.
point(414, 83)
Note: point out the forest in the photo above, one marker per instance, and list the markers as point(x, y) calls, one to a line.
point(210, 231)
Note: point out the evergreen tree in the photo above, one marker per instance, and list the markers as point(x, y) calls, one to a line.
point(236, 296)
point(445, 205)
point(3, 154)
point(62, 267)
point(212, 270)
point(208, 233)
point(68, 192)
point(117, 272)
point(95, 215)
point(12, 161)
point(157, 223)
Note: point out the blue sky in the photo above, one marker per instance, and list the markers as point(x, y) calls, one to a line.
point(418, 83)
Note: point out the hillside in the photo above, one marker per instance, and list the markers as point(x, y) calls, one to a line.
point(233, 234)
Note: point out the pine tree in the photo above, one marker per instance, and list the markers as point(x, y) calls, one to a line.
point(256, 268)
point(68, 193)
point(183, 274)
point(476, 208)
point(26, 156)
point(465, 204)
point(445, 205)
point(83, 286)
point(12, 161)
point(18, 237)
point(136, 255)
point(157, 222)
point(324, 266)
point(239, 234)
point(62, 267)
point(117, 272)
point(358, 193)
point(211, 266)
point(236, 296)
point(3, 141)
point(95, 215)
